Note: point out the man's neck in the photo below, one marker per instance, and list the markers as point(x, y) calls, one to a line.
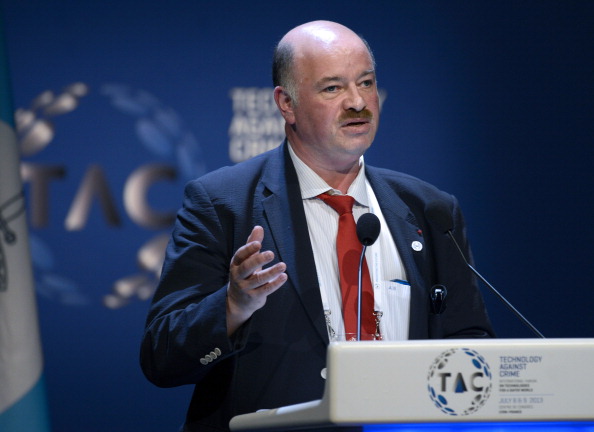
point(340, 181)
point(339, 177)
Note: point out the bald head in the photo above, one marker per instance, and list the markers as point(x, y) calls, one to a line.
point(304, 41)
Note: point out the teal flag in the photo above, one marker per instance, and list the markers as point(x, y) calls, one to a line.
point(22, 395)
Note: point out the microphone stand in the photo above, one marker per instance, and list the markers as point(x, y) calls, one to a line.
point(494, 291)
point(360, 292)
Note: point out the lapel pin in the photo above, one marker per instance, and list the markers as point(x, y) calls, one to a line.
point(417, 246)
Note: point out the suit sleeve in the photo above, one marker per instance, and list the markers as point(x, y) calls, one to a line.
point(185, 335)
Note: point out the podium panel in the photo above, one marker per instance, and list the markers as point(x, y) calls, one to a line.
point(484, 427)
point(435, 383)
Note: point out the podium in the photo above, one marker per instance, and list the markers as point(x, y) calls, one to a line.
point(466, 384)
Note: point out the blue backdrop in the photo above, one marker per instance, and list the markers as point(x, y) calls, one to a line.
point(121, 102)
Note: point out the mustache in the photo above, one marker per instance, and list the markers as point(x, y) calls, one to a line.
point(364, 114)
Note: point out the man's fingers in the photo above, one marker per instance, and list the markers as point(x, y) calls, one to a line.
point(263, 277)
point(257, 234)
point(272, 285)
point(247, 276)
point(245, 252)
point(261, 284)
point(253, 245)
point(252, 265)
point(249, 282)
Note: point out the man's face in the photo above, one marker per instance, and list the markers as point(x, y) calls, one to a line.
point(337, 114)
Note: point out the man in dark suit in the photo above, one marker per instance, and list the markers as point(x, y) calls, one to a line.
point(243, 308)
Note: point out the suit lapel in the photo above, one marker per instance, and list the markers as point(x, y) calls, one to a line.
point(284, 217)
point(405, 232)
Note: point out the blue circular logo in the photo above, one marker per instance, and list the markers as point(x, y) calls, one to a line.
point(459, 381)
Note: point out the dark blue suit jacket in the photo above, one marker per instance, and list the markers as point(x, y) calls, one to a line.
point(276, 358)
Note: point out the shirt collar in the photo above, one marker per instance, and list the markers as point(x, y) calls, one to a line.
point(312, 185)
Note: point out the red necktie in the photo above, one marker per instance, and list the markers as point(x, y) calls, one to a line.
point(348, 249)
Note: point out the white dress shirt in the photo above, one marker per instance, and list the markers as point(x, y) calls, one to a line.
point(391, 290)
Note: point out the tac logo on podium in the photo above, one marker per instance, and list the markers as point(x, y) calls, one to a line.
point(459, 381)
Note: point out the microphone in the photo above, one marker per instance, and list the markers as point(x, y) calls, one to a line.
point(438, 295)
point(368, 230)
point(439, 213)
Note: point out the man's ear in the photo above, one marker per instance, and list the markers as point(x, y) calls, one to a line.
point(285, 104)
